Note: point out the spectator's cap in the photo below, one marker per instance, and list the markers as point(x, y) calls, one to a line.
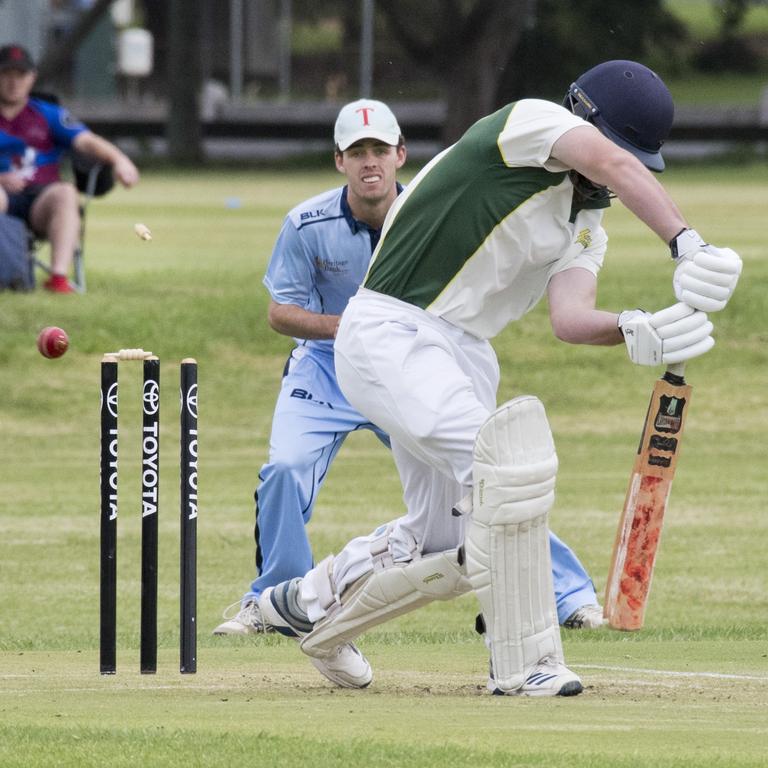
point(16, 57)
point(366, 119)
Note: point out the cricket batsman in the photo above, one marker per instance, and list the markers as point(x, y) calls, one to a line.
point(509, 214)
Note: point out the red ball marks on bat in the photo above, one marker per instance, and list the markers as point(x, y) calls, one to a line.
point(52, 341)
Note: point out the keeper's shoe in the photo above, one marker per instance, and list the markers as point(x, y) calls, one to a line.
point(549, 678)
point(586, 617)
point(345, 665)
point(247, 620)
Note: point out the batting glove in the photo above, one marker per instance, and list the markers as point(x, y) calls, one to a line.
point(671, 335)
point(705, 276)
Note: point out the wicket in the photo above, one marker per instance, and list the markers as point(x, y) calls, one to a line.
point(150, 486)
point(188, 466)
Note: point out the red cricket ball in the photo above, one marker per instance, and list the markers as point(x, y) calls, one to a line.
point(52, 342)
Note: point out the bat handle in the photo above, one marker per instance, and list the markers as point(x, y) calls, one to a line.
point(675, 374)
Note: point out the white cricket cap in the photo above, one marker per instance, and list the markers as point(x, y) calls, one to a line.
point(365, 119)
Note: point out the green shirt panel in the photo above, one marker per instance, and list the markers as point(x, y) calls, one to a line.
point(451, 212)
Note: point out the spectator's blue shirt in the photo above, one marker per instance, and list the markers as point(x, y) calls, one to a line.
point(320, 257)
point(34, 140)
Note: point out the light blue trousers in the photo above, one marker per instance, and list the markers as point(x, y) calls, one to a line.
point(311, 421)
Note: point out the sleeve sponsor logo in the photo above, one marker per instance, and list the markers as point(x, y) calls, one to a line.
point(311, 215)
point(584, 238)
point(68, 120)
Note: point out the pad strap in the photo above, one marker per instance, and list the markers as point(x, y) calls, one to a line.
point(381, 557)
point(384, 594)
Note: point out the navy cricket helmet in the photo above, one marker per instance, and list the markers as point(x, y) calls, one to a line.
point(629, 104)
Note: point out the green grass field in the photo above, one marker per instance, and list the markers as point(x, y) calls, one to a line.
point(690, 689)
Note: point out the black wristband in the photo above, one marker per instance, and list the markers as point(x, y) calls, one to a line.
point(673, 243)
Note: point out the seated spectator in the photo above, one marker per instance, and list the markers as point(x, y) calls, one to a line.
point(33, 136)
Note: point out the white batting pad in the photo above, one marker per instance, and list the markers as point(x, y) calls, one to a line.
point(385, 593)
point(507, 542)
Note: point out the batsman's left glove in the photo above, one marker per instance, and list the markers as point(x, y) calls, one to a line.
point(705, 276)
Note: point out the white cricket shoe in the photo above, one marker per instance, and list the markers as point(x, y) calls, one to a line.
point(586, 617)
point(247, 620)
point(549, 678)
point(345, 665)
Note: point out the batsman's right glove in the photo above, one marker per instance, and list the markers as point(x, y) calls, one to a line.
point(705, 276)
point(671, 335)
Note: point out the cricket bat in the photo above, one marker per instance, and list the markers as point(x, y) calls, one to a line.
point(637, 539)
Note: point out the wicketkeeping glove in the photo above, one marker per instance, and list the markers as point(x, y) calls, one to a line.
point(671, 335)
point(705, 276)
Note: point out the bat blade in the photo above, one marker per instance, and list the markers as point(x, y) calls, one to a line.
point(639, 531)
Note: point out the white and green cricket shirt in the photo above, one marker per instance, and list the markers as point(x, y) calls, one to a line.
point(479, 232)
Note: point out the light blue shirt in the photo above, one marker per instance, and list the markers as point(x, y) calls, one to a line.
point(320, 257)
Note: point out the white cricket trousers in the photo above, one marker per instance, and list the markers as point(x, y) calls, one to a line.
point(430, 386)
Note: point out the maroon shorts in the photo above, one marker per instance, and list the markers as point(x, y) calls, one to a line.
point(20, 203)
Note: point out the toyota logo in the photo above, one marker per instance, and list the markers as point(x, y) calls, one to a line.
point(192, 401)
point(151, 397)
point(112, 400)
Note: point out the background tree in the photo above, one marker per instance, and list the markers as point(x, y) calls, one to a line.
point(463, 44)
point(731, 49)
point(57, 61)
point(732, 15)
point(568, 38)
point(485, 53)
point(183, 128)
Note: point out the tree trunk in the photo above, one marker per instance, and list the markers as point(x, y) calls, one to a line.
point(183, 128)
point(55, 60)
point(466, 45)
point(472, 76)
point(469, 93)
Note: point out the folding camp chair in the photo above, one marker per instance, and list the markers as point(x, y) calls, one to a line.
point(92, 179)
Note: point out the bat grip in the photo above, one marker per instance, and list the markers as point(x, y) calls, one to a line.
point(675, 374)
point(676, 369)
